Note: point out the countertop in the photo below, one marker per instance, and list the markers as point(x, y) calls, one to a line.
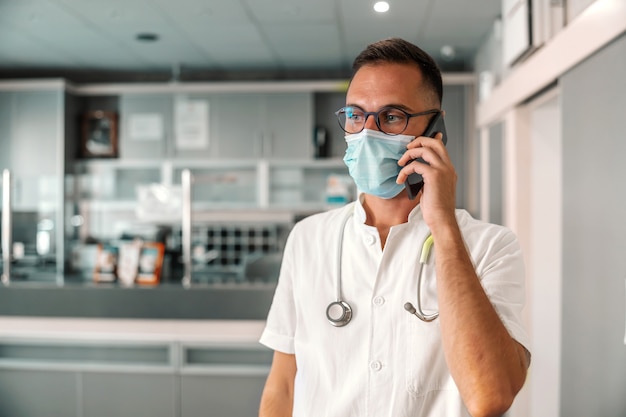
point(188, 331)
point(165, 301)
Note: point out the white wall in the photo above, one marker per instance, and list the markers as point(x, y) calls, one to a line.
point(565, 199)
point(594, 235)
point(573, 234)
point(545, 253)
point(576, 7)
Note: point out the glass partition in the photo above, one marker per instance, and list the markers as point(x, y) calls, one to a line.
point(31, 132)
point(33, 242)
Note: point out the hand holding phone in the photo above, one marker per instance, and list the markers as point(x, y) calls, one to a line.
point(415, 182)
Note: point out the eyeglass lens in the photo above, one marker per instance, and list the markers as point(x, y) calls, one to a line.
point(389, 120)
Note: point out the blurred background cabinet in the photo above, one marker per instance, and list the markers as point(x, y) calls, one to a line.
point(134, 375)
point(256, 171)
point(263, 125)
point(106, 394)
point(262, 163)
point(133, 105)
point(31, 133)
point(32, 148)
point(240, 125)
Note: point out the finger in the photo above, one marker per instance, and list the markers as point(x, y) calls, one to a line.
point(427, 154)
point(409, 156)
point(434, 144)
point(424, 140)
point(418, 161)
point(414, 167)
point(430, 159)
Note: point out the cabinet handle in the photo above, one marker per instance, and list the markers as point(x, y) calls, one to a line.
point(7, 226)
point(186, 226)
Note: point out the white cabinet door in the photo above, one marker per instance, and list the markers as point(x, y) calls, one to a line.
point(289, 125)
point(264, 125)
point(32, 142)
point(31, 132)
point(143, 143)
point(239, 126)
point(38, 392)
point(106, 394)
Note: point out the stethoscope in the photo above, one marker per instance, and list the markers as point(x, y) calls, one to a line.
point(339, 312)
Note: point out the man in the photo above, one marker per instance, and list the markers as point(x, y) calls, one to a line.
point(368, 356)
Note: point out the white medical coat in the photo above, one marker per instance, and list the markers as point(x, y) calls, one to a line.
point(385, 362)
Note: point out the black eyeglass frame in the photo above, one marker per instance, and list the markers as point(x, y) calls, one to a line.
point(367, 114)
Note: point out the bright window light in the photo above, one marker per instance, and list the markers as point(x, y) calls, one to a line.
point(381, 6)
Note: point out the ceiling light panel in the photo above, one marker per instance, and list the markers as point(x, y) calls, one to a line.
point(381, 6)
point(292, 11)
point(15, 42)
point(362, 25)
point(405, 9)
point(120, 21)
point(473, 11)
point(250, 51)
point(222, 32)
point(55, 30)
point(311, 45)
point(229, 35)
point(468, 18)
point(204, 13)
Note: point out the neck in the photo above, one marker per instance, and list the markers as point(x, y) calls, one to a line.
point(384, 213)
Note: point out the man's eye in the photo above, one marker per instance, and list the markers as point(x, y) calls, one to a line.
point(354, 116)
point(392, 117)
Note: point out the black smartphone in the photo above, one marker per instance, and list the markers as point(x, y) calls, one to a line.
point(415, 182)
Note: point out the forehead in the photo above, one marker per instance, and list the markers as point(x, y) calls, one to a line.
point(378, 85)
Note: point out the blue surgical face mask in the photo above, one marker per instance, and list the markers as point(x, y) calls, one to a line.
point(372, 160)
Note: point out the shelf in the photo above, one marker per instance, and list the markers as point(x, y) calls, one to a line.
point(114, 163)
point(207, 212)
point(114, 195)
point(121, 163)
point(210, 87)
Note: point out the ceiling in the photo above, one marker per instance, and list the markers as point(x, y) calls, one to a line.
point(210, 39)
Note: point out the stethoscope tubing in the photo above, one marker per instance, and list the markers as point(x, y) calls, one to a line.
point(346, 310)
point(340, 254)
point(419, 313)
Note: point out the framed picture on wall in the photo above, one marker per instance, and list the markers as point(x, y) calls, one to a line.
point(150, 263)
point(99, 134)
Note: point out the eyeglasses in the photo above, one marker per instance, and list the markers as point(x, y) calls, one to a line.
point(390, 120)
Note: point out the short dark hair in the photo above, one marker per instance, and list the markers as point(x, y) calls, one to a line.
point(399, 51)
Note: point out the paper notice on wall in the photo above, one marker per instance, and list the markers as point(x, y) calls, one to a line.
point(145, 126)
point(191, 123)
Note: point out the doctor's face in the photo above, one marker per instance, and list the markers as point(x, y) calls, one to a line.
point(381, 85)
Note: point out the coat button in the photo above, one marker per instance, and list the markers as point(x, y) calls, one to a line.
point(376, 366)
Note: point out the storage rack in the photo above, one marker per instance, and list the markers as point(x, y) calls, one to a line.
point(235, 243)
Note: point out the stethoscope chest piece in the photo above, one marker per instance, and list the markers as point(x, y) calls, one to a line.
point(339, 313)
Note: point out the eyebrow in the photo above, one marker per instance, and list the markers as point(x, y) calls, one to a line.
point(397, 106)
